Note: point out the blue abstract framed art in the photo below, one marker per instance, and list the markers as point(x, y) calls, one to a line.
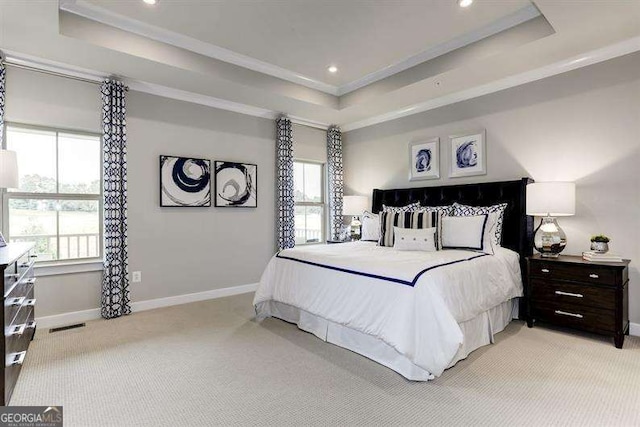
point(468, 154)
point(424, 159)
point(236, 185)
point(185, 182)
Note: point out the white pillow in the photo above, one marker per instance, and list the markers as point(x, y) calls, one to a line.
point(415, 239)
point(370, 230)
point(465, 232)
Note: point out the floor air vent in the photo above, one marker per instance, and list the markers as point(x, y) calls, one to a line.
point(64, 328)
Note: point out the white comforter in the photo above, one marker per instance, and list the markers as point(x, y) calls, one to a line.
point(415, 311)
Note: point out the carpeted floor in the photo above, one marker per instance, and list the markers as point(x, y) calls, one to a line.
point(209, 363)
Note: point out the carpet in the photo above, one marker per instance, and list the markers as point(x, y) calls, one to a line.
point(210, 363)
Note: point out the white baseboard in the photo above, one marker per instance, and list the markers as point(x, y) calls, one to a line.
point(94, 313)
point(634, 329)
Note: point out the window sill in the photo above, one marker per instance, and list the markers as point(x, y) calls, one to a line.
point(43, 270)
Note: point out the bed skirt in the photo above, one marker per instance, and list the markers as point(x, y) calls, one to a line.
point(477, 332)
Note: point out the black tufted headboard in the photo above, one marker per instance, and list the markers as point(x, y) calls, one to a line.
point(517, 232)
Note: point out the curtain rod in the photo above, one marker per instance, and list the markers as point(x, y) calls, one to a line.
point(10, 63)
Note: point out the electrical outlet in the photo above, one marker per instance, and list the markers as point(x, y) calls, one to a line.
point(136, 276)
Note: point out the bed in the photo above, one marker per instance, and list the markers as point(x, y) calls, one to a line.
point(417, 313)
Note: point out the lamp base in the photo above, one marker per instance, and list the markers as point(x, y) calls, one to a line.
point(549, 255)
point(549, 239)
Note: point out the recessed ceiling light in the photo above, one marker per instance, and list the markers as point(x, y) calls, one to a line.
point(150, 1)
point(464, 3)
point(332, 69)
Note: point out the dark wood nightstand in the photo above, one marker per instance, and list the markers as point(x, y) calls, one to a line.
point(569, 291)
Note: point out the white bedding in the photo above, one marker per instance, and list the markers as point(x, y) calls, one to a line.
point(414, 302)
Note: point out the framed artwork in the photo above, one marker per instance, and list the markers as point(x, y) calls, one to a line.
point(185, 182)
point(468, 154)
point(236, 184)
point(424, 160)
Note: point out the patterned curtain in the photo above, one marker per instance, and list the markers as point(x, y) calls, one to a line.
point(284, 161)
point(336, 185)
point(115, 283)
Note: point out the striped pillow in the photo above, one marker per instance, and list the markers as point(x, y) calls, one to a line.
point(388, 220)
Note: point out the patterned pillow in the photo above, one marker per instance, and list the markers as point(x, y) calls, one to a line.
point(464, 210)
point(370, 227)
point(388, 220)
point(408, 208)
point(446, 210)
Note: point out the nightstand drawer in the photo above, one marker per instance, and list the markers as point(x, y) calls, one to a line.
point(576, 272)
point(573, 293)
point(575, 316)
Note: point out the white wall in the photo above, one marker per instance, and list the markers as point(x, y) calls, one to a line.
point(583, 126)
point(178, 250)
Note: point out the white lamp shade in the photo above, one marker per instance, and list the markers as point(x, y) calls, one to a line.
point(8, 169)
point(551, 198)
point(354, 205)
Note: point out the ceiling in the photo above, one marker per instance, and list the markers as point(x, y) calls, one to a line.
point(306, 36)
point(265, 57)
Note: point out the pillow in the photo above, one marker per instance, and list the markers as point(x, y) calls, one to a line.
point(415, 239)
point(464, 232)
point(388, 220)
point(370, 230)
point(464, 210)
point(446, 210)
point(408, 208)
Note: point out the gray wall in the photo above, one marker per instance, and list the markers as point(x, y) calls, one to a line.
point(178, 250)
point(582, 126)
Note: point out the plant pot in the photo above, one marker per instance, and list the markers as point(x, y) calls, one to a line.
point(600, 247)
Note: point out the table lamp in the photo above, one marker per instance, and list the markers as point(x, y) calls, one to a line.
point(550, 200)
point(8, 176)
point(354, 206)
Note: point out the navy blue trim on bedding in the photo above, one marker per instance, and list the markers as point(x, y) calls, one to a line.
point(375, 276)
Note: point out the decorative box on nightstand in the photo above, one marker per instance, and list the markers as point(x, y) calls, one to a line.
point(569, 291)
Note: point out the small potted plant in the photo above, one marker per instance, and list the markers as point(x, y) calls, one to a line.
point(600, 243)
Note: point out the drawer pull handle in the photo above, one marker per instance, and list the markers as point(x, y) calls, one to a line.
point(30, 281)
point(545, 270)
point(13, 276)
point(14, 359)
point(565, 313)
point(31, 325)
point(33, 256)
point(17, 330)
point(569, 294)
point(29, 303)
point(16, 302)
point(594, 276)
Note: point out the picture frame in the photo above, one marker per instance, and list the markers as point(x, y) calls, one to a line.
point(424, 159)
point(468, 154)
point(185, 181)
point(235, 184)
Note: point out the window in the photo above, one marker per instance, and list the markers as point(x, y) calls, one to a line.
point(58, 204)
point(308, 186)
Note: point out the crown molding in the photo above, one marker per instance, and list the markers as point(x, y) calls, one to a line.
point(519, 17)
point(96, 13)
point(91, 76)
point(593, 57)
point(99, 14)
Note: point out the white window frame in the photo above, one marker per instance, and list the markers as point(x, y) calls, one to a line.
point(65, 265)
point(322, 205)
